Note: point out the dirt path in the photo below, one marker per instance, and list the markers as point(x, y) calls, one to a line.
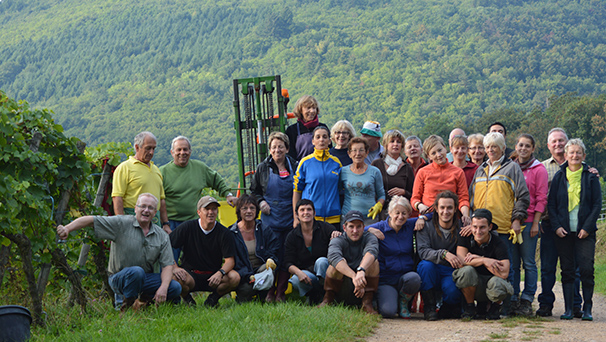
point(550, 329)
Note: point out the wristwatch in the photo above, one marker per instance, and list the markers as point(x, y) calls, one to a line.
point(165, 224)
point(222, 272)
point(360, 269)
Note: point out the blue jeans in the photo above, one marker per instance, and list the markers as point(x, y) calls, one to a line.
point(176, 251)
point(133, 281)
point(320, 267)
point(549, 262)
point(525, 254)
point(439, 277)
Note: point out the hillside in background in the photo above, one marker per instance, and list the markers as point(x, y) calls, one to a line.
point(112, 68)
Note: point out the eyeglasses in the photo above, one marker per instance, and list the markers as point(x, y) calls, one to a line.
point(342, 133)
point(148, 207)
point(358, 151)
point(476, 148)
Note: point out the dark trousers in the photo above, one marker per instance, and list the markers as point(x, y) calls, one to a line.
point(575, 252)
point(549, 263)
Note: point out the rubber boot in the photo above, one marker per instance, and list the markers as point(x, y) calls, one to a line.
point(404, 299)
point(587, 303)
point(372, 283)
point(568, 291)
point(429, 306)
point(332, 286)
point(282, 285)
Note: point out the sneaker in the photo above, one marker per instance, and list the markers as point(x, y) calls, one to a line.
point(212, 300)
point(577, 313)
point(494, 312)
point(544, 311)
point(524, 309)
point(469, 312)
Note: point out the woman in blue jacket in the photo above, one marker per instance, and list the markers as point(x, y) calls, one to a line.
point(317, 179)
point(574, 204)
point(256, 246)
point(398, 281)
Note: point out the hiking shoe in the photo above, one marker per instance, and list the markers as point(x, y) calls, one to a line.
point(469, 312)
point(544, 311)
point(513, 308)
point(524, 309)
point(494, 312)
point(577, 313)
point(212, 300)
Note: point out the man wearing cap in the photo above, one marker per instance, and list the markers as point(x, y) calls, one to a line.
point(205, 244)
point(137, 244)
point(371, 131)
point(486, 267)
point(354, 254)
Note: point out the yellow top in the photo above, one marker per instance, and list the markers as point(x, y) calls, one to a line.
point(133, 178)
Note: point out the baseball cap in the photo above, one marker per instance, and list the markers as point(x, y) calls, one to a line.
point(206, 200)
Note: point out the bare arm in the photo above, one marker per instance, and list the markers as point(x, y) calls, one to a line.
point(300, 274)
point(166, 276)
point(79, 223)
point(118, 205)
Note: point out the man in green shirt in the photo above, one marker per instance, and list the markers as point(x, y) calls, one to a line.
point(137, 244)
point(183, 180)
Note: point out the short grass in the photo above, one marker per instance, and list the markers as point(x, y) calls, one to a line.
point(229, 322)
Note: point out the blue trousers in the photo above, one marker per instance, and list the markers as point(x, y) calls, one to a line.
point(549, 263)
point(133, 281)
point(320, 267)
point(524, 254)
point(439, 277)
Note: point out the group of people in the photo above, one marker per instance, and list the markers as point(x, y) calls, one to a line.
point(365, 220)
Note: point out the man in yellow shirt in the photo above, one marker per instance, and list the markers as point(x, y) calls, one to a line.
point(138, 175)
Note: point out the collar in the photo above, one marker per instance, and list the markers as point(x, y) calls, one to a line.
point(206, 231)
point(321, 155)
point(134, 160)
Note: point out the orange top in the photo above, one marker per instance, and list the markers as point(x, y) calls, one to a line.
point(433, 179)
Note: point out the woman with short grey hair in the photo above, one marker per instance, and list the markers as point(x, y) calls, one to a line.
point(340, 134)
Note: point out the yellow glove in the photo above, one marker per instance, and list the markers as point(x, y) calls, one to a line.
point(512, 236)
point(270, 264)
point(520, 240)
point(375, 210)
point(251, 279)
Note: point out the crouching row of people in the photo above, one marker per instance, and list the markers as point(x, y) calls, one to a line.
point(373, 266)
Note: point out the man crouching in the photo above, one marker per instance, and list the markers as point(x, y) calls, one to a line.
point(355, 250)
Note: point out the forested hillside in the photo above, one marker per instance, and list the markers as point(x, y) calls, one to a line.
point(111, 68)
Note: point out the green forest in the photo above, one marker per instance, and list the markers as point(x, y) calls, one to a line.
point(109, 69)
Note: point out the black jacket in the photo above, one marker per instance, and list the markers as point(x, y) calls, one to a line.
point(258, 185)
point(295, 252)
point(589, 206)
point(267, 247)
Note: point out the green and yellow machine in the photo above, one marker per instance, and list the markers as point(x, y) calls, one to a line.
point(260, 109)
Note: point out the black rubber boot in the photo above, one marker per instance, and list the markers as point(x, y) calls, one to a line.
point(568, 291)
point(429, 308)
point(587, 303)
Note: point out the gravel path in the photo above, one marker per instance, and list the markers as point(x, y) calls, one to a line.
point(549, 329)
